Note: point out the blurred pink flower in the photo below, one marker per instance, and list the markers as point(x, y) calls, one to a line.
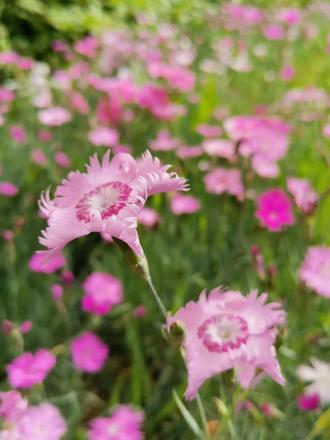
point(12, 406)
point(79, 103)
point(187, 151)
point(18, 134)
point(180, 78)
point(7, 234)
point(273, 32)
point(37, 263)
point(6, 95)
point(106, 199)
point(290, 16)
point(220, 148)
point(309, 402)
point(8, 58)
point(54, 116)
point(226, 330)
point(39, 157)
point(89, 353)
point(304, 195)
point(109, 111)
point(209, 131)
point(274, 210)
point(103, 136)
point(315, 270)
point(287, 73)
point(57, 292)
point(8, 189)
point(102, 292)
point(44, 135)
point(30, 369)
point(41, 422)
point(25, 327)
point(140, 311)
point(264, 139)
point(148, 217)
point(62, 159)
point(124, 424)
point(182, 204)
point(164, 142)
point(326, 131)
point(225, 180)
point(87, 46)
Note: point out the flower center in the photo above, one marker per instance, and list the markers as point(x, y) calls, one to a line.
point(221, 333)
point(103, 201)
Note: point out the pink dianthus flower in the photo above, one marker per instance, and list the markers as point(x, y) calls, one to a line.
point(55, 262)
point(225, 180)
point(106, 199)
point(274, 210)
point(102, 292)
point(315, 270)
point(182, 204)
point(226, 330)
point(304, 195)
point(54, 116)
point(89, 352)
point(30, 369)
point(124, 424)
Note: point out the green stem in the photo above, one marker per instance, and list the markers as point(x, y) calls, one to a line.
point(157, 297)
point(203, 415)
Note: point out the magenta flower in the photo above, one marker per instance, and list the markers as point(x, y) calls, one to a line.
point(102, 292)
point(88, 352)
point(54, 116)
point(124, 424)
point(309, 402)
point(274, 210)
point(106, 199)
point(304, 195)
point(225, 180)
point(18, 134)
point(30, 369)
point(37, 263)
point(42, 422)
point(315, 270)
point(8, 189)
point(227, 330)
point(182, 204)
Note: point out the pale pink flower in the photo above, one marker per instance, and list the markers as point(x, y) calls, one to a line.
point(274, 210)
point(220, 148)
point(89, 353)
point(209, 131)
point(226, 330)
point(290, 16)
point(30, 369)
point(103, 136)
point(62, 159)
point(37, 263)
point(309, 402)
point(304, 195)
point(182, 204)
point(180, 78)
point(106, 199)
point(54, 116)
point(148, 217)
point(18, 134)
point(187, 151)
point(124, 424)
point(263, 139)
point(42, 422)
point(102, 292)
point(315, 270)
point(164, 142)
point(326, 131)
point(8, 189)
point(8, 58)
point(12, 405)
point(225, 180)
point(39, 157)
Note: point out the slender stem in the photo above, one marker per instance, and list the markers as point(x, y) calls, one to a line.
point(203, 415)
point(157, 297)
